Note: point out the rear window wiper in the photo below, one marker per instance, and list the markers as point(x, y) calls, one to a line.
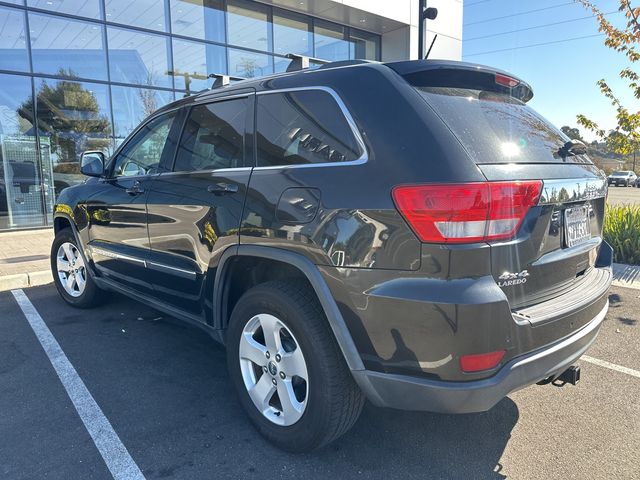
point(571, 148)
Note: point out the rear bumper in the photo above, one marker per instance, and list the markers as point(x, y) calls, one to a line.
point(414, 393)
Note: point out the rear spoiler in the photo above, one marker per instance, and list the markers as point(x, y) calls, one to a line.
point(442, 73)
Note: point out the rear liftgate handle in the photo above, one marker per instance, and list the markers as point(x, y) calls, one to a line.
point(222, 188)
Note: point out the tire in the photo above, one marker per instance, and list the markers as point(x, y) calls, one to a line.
point(83, 293)
point(331, 401)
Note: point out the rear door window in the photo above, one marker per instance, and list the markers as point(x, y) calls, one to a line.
point(213, 136)
point(303, 127)
point(497, 128)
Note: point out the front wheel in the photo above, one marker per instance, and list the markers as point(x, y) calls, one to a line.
point(288, 369)
point(71, 275)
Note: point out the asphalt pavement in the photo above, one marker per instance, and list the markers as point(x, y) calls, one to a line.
point(623, 195)
point(163, 387)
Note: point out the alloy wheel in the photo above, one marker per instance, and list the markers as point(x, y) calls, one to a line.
point(273, 369)
point(72, 272)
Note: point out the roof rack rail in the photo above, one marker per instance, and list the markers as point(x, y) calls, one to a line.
point(346, 63)
point(302, 62)
point(222, 80)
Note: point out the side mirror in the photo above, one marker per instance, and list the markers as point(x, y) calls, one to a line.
point(92, 163)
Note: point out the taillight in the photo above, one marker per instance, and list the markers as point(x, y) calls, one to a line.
point(467, 212)
point(482, 361)
point(506, 81)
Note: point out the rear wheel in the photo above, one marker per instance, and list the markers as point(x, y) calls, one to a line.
point(71, 275)
point(287, 368)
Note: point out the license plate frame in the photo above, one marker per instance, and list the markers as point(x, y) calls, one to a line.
point(577, 228)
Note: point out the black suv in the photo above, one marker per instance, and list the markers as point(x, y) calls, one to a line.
point(411, 233)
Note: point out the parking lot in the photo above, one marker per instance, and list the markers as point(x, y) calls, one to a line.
point(163, 387)
point(622, 195)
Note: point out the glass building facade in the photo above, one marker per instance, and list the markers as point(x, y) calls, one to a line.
point(77, 75)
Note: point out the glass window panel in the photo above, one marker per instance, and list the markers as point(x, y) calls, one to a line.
point(364, 45)
point(142, 155)
point(330, 42)
point(248, 64)
point(194, 61)
point(16, 2)
point(13, 43)
point(132, 105)
point(280, 64)
point(21, 179)
point(140, 58)
point(72, 117)
point(248, 25)
point(292, 34)
point(68, 48)
point(303, 127)
point(82, 8)
point(140, 13)
point(213, 137)
point(202, 19)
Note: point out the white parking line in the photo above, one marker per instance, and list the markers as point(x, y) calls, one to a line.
point(611, 366)
point(114, 453)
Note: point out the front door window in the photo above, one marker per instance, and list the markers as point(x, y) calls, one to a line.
point(143, 153)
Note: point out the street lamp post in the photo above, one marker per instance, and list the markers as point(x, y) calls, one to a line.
point(425, 14)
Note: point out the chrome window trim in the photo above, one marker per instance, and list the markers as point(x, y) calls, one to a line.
point(216, 97)
point(364, 157)
point(211, 171)
point(565, 190)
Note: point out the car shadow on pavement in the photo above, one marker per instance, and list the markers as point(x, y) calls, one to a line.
point(384, 443)
point(164, 387)
point(399, 444)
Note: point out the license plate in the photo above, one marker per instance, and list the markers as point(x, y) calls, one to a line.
point(576, 225)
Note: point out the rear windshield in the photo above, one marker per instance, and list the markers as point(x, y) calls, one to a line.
point(497, 128)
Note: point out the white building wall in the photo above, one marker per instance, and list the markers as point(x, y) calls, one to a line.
point(396, 21)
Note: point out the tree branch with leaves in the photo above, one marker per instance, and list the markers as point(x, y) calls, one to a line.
point(625, 138)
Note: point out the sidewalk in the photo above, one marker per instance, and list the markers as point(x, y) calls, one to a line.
point(24, 261)
point(24, 258)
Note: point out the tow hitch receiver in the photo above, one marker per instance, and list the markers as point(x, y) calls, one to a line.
point(570, 375)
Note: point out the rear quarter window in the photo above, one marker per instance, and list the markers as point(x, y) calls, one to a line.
point(303, 127)
point(497, 128)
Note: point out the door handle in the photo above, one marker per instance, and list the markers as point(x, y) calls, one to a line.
point(222, 188)
point(135, 189)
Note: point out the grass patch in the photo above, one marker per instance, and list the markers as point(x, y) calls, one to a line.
point(622, 232)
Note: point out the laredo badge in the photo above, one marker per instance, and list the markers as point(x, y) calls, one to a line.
point(508, 279)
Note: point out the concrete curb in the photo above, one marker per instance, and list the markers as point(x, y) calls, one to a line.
point(627, 276)
point(25, 280)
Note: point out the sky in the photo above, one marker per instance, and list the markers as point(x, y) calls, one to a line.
point(563, 74)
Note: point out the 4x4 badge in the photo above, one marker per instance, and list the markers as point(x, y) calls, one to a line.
point(508, 279)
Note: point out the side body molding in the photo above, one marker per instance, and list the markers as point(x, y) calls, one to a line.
point(336, 321)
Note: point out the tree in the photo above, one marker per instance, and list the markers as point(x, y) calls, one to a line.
point(70, 116)
point(625, 40)
point(572, 133)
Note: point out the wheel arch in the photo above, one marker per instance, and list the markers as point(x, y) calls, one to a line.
point(306, 269)
point(62, 221)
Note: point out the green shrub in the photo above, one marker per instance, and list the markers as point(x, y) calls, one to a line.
point(622, 232)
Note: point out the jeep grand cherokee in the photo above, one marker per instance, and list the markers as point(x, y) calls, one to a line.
point(411, 233)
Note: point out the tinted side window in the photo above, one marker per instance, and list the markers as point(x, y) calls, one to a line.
point(303, 127)
point(213, 137)
point(142, 154)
